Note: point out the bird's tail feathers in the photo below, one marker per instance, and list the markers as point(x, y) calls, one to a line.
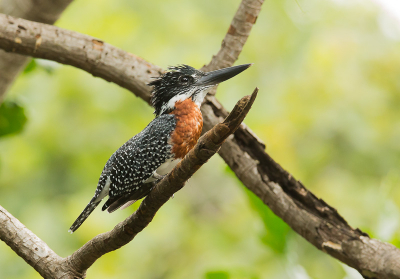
point(83, 216)
point(126, 205)
point(121, 203)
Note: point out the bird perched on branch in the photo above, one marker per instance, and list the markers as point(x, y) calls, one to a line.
point(133, 170)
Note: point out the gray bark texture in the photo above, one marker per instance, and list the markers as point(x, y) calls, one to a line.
point(45, 11)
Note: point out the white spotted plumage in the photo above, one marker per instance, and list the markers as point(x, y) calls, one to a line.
point(130, 172)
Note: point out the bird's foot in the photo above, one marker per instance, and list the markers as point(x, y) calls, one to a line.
point(158, 177)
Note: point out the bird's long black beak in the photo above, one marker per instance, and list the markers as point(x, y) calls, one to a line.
point(218, 76)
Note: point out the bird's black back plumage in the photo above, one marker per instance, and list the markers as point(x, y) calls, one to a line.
point(131, 165)
point(135, 161)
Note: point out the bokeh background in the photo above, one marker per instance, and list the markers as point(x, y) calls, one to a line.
point(328, 110)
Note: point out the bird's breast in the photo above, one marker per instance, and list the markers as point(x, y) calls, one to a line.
point(189, 123)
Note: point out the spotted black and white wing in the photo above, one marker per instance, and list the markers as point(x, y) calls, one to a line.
point(130, 172)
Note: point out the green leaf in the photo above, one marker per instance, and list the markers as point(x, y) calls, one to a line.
point(217, 275)
point(276, 230)
point(37, 64)
point(12, 118)
point(32, 65)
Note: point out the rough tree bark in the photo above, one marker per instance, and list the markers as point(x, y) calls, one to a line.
point(308, 215)
point(45, 11)
point(37, 254)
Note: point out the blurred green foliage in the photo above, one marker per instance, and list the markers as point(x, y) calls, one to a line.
point(276, 230)
point(328, 110)
point(32, 65)
point(12, 118)
point(217, 275)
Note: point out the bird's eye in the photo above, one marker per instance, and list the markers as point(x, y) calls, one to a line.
point(185, 79)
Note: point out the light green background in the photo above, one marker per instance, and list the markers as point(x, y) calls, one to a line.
point(328, 110)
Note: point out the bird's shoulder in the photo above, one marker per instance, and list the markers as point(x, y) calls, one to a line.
point(157, 132)
point(137, 159)
point(154, 134)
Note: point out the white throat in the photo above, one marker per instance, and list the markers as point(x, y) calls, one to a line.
point(198, 98)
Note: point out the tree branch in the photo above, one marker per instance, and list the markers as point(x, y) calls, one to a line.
point(36, 253)
point(78, 50)
point(309, 216)
point(27, 245)
point(237, 35)
point(45, 11)
point(238, 32)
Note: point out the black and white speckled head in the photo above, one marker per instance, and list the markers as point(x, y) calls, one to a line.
point(182, 82)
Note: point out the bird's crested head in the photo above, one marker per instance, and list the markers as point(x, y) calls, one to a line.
point(181, 82)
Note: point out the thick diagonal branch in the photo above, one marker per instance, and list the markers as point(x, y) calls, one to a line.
point(45, 11)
